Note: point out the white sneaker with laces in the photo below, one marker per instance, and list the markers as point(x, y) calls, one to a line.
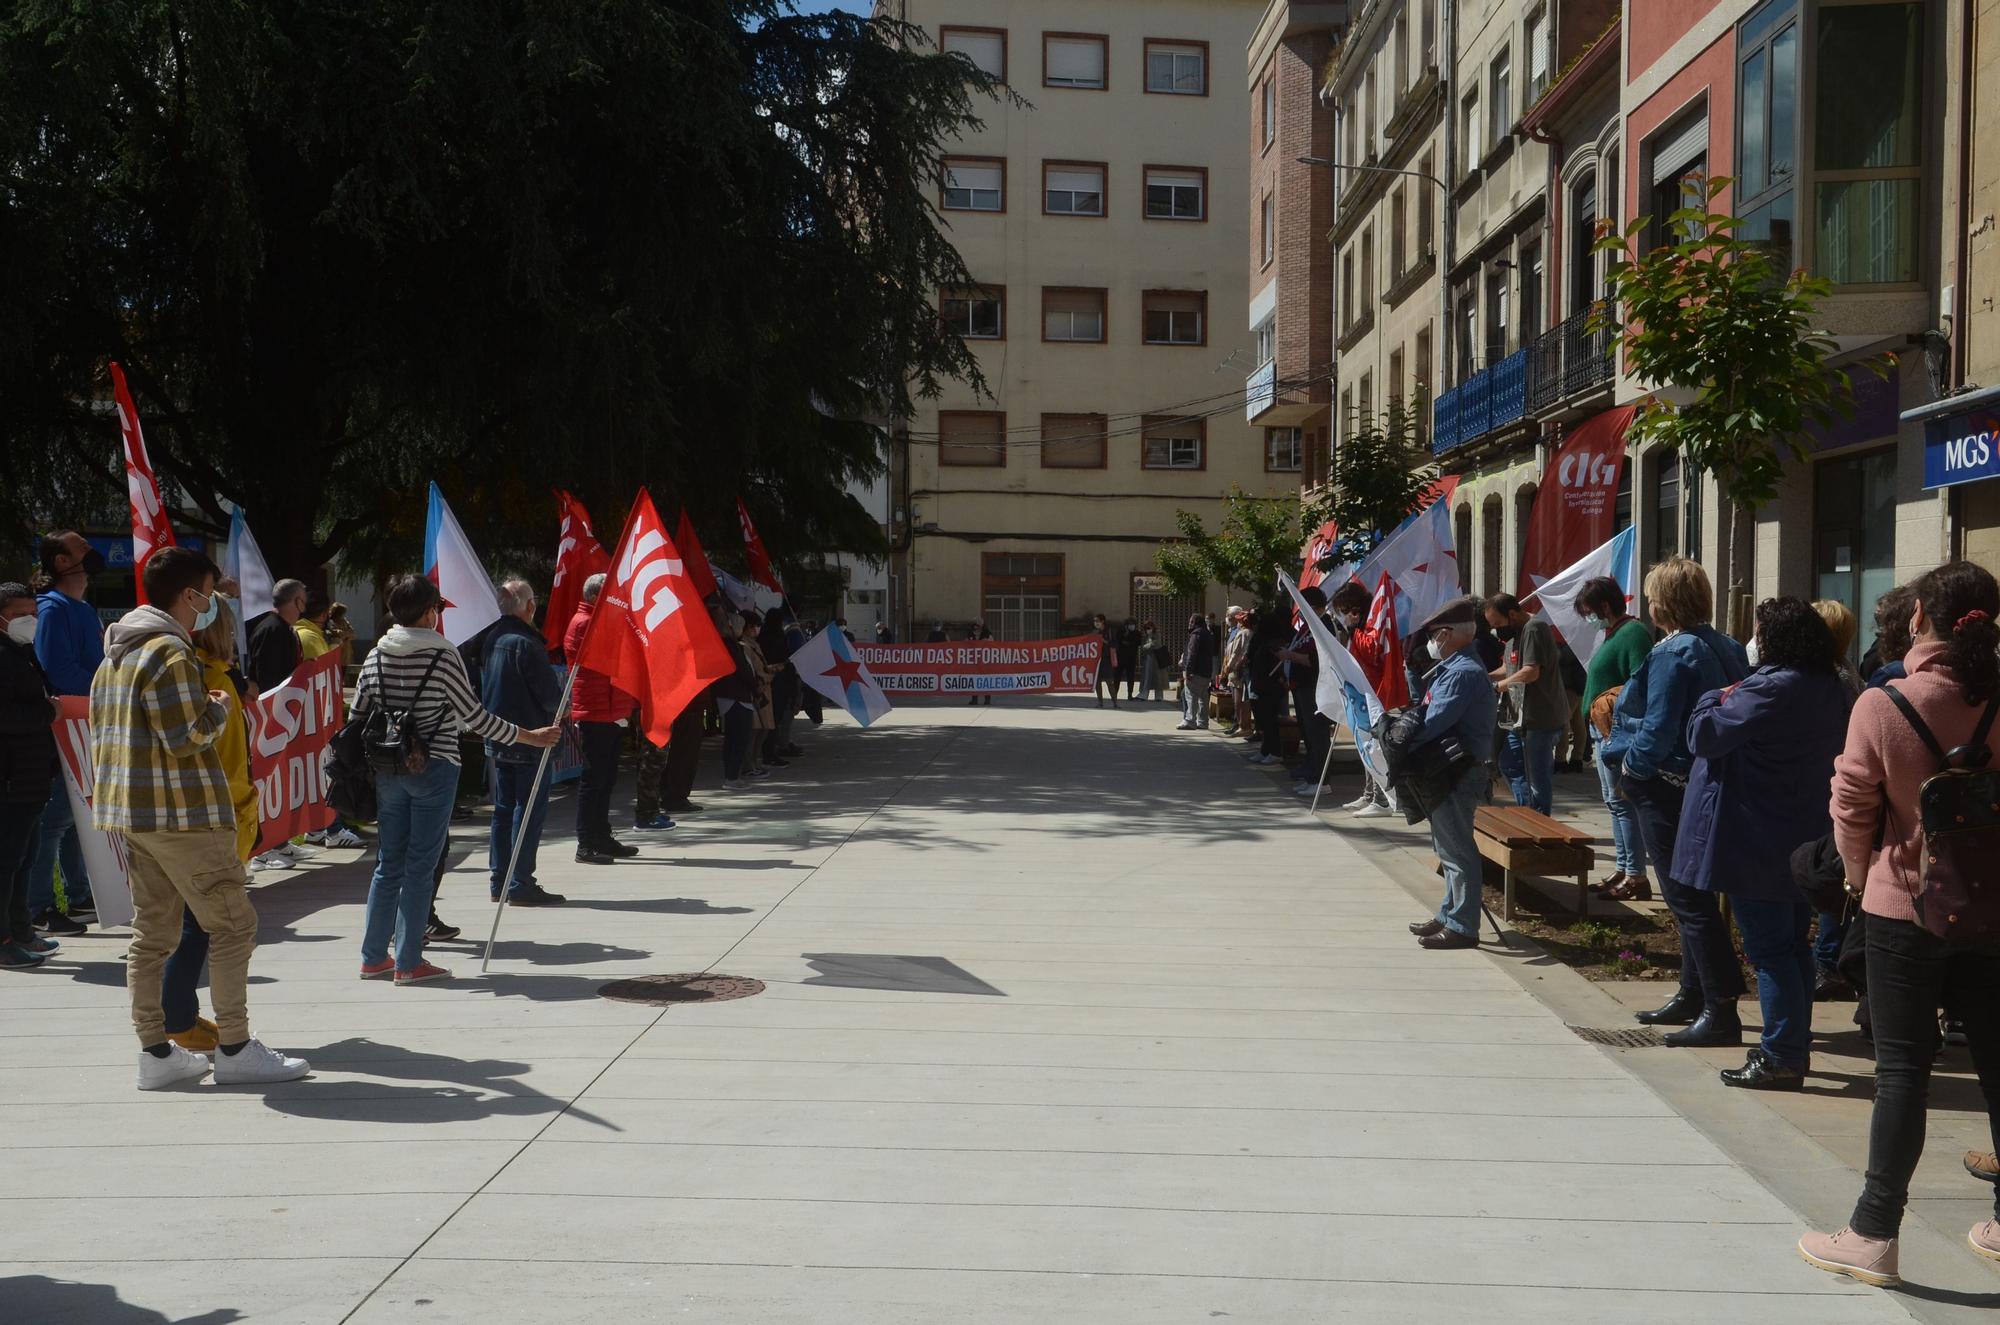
point(342, 836)
point(1363, 799)
point(272, 860)
point(293, 851)
point(179, 1065)
point(253, 1064)
point(1372, 810)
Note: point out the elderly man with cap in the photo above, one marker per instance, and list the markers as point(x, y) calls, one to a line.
point(1460, 703)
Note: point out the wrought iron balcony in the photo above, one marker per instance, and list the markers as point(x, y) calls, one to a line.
point(1485, 402)
point(1567, 360)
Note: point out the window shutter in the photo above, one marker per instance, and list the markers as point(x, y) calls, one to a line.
point(1077, 181)
point(1675, 151)
point(973, 176)
point(986, 50)
point(1538, 52)
point(1177, 178)
point(1075, 61)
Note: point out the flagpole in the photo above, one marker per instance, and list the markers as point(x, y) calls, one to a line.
point(1326, 764)
point(527, 812)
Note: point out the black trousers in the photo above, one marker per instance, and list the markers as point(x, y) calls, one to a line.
point(683, 755)
point(1910, 976)
point(1270, 711)
point(20, 836)
point(600, 771)
point(784, 708)
point(1708, 958)
point(1315, 732)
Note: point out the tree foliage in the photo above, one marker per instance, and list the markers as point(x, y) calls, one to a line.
point(346, 246)
point(1256, 536)
point(1377, 476)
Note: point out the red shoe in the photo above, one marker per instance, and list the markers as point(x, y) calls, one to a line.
point(422, 975)
point(381, 970)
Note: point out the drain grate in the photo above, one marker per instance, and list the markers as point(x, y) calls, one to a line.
point(689, 987)
point(1622, 1037)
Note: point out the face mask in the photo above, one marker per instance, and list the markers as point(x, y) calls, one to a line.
point(1595, 623)
point(1506, 634)
point(22, 629)
point(206, 617)
point(93, 562)
point(1754, 652)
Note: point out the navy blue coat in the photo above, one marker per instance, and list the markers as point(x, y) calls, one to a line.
point(516, 682)
point(1762, 780)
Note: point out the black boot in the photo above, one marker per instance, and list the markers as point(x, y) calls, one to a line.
point(1763, 1072)
point(1718, 1025)
point(1679, 1010)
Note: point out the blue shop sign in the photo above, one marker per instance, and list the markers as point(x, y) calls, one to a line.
point(118, 551)
point(1962, 447)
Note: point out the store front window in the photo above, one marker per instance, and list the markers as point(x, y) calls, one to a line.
point(1854, 532)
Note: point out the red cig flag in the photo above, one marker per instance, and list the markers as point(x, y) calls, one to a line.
point(150, 529)
point(760, 560)
point(578, 557)
point(697, 560)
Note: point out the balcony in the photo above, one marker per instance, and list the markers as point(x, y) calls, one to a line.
point(1485, 402)
point(1261, 390)
point(1568, 360)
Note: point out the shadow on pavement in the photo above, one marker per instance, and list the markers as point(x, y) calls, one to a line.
point(580, 953)
point(462, 1090)
point(675, 906)
point(881, 970)
point(46, 1301)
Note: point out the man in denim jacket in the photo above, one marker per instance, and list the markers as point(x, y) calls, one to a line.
point(1460, 703)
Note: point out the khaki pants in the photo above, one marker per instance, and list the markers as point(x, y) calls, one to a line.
point(199, 871)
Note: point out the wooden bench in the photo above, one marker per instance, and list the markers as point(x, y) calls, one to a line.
point(1524, 841)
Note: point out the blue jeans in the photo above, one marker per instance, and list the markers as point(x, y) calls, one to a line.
point(58, 835)
point(1194, 699)
point(1708, 960)
point(413, 815)
point(1529, 764)
point(1630, 851)
point(180, 978)
point(510, 790)
point(1774, 939)
point(1826, 947)
point(1451, 838)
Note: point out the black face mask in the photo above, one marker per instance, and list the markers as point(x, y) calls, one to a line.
point(1506, 633)
point(92, 564)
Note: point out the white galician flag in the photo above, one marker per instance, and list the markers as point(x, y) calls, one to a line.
point(1337, 667)
point(827, 663)
point(243, 561)
point(470, 605)
point(1555, 596)
point(1419, 557)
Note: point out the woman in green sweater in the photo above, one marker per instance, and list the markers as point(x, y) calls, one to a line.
point(1619, 656)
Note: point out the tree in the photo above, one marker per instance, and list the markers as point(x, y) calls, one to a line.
point(345, 247)
point(1377, 476)
point(1713, 317)
point(1256, 536)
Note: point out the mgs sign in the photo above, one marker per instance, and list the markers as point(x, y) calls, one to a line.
point(1962, 448)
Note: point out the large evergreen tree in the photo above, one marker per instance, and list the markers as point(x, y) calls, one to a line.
point(344, 246)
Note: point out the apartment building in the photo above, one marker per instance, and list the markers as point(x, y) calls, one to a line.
point(1108, 226)
point(1387, 86)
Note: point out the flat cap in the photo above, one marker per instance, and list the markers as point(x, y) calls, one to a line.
point(1458, 612)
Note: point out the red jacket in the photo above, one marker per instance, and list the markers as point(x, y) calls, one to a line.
point(594, 699)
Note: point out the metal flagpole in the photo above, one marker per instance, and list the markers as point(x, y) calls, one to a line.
point(1324, 766)
point(527, 811)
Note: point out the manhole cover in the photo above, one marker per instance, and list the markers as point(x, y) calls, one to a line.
point(1622, 1037)
point(692, 987)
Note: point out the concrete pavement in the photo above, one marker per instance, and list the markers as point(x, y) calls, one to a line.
point(1066, 1017)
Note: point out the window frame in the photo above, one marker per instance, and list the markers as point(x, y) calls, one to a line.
point(977, 30)
point(1298, 464)
point(1146, 45)
point(1499, 97)
point(1267, 109)
point(1148, 422)
point(944, 185)
point(1535, 31)
point(1103, 169)
point(1145, 185)
point(1103, 294)
point(1201, 313)
point(1103, 40)
point(1103, 440)
point(1809, 174)
point(957, 291)
point(943, 414)
point(1267, 221)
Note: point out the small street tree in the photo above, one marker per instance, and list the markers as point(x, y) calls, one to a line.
point(1378, 475)
point(1256, 535)
point(1728, 340)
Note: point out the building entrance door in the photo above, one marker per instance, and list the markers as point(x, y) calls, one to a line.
point(1854, 534)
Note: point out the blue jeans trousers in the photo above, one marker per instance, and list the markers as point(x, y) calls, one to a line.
point(58, 838)
point(510, 792)
point(1194, 699)
point(1826, 946)
point(1529, 764)
point(1708, 959)
point(412, 819)
point(1774, 939)
point(1630, 852)
point(180, 978)
point(1451, 838)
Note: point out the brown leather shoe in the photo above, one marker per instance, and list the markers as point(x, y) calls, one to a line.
point(1446, 938)
point(1425, 928)
point(1983, 1165)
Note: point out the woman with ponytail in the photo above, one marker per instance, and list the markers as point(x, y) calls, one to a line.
point(1953, 676)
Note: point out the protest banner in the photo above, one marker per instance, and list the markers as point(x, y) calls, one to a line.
point(291, 731)
point(103, 853)
point(984, 667)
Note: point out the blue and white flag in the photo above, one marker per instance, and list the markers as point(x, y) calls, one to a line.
point(826, 662)
point(1555, 596)
point(469, 604)
point(243, 562)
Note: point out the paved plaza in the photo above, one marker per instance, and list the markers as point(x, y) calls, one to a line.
point(1066, 1017)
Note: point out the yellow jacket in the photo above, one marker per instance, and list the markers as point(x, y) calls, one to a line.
point(233, 746)
point(312, 641)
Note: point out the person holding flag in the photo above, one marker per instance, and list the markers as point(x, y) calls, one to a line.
point(1371, 637)
point(1461, 705)
point(600, 709)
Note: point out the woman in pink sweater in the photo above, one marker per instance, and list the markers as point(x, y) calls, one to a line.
point(1954, 675)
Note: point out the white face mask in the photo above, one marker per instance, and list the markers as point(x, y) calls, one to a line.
point(1752, 649)
point(22, 629)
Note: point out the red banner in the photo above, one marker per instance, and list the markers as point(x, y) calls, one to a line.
point(103, 853)
point(984, 667)
point(1576, 506)
point(291, 730)
point(1317, 548)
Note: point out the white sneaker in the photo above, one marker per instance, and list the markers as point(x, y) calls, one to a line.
point(293, 851)
point(1365, 798)
point(179, 1065)
point(1305, 788)
point(253, 1064)
point(272, 860)
point(1372, 810)
point(342, 836)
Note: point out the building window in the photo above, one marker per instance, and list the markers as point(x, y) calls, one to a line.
point(1402, 65)
point(975, 184)
point(1500, 100)
point(1072, 314)
point(1347, 411)
point(1267, 340)
point(1469, 125)
point(1284, 450)
point(1268, 244)
point(1176, 317)
point(1420, 377)
point(1496, 315)
point(1465, 333)
point(1347, 289)
point(976, 314)
point(985, 49)
point(1169, 443)
point(1022, 594)
point(1074, 59)
point(1267, 99)
point(1073, 188)
point(972, 437)
point(1854, 530)
point(1537, 47)
point(1767, 90)
point(1178, 68)
point(1366, 418)
point(1582, 259)
point(1176, 193)
point(1369, 143)
point(1367, 272)
point(1868, 148)
point(1398, 251)
point(1680, 173)
point(1529, 264)
point(1666, 505)
point(1621, 504)
point(1073, 441)
point(1426, 215)
point(1395, 383)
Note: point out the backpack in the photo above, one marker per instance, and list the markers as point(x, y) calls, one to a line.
point(389, 737)
point(1958, 808)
